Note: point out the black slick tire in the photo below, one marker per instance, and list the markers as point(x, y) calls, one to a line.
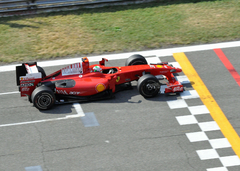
point(43, 98)
point(135, 60)
point(40, 69)
point(148, 86)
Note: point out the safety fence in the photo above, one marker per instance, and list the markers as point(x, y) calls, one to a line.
point(20, 7)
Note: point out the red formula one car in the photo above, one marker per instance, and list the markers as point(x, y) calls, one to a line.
point(80, 82)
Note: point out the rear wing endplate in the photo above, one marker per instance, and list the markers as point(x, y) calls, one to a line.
point(24, 69)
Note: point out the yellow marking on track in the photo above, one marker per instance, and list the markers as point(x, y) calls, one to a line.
point(208, 100)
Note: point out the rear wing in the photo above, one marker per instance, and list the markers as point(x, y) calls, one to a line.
point(27, 77)
point(24, 69)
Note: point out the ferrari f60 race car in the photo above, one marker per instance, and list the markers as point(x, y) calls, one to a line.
point(79, 82)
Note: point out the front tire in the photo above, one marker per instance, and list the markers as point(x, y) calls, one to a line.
point(135, 60)
point(43, 98)
point(148, 86)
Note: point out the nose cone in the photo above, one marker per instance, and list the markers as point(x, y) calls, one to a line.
point(175, 70)
point(178, 69)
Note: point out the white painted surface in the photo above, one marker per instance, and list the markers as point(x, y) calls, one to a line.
point(198, 110)
point(176, 104)
point(207, 154)
point(220, 143)
point(186, 120)
point(191, 94)
point(209, 126)
point(230, 161)
point(218, 169)
point(197, 136)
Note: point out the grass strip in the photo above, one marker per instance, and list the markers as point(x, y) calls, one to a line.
point(118, 29)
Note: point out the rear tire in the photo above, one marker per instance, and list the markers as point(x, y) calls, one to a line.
point(43, 98)
point(135, 60)
point(40, 69)
point(148, 86)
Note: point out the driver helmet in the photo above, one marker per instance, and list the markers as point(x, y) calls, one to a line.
point(97, 69)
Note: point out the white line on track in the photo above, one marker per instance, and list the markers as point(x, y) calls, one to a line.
point(79, 110)
point(77, 107)
point(160, 52)
point(13, 92)
point(40, 121)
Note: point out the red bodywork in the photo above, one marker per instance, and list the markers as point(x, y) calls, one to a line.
point(80, 80)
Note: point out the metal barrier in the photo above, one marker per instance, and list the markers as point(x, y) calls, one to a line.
point(20, 7)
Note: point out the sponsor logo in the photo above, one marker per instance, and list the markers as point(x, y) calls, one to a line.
point(26, 78)
point(73, 69)
point(27, 85)
point(31, 76)
point(163, 72)
point(118, 79)
point(100, 87)
point(177, 89)
point(29, 81)
point(159, 66)
point(61, 92)
point(74, 93)
point(66, 93)
point(25, 89)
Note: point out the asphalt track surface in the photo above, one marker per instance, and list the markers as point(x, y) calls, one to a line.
point(127, 132)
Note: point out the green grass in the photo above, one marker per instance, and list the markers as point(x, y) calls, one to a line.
point(117, 29)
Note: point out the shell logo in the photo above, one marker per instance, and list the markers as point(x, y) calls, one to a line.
point(100, 87)
point(159, 66)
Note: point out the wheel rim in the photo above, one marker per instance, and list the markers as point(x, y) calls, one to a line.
point(44, 101)
point(150, 88)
